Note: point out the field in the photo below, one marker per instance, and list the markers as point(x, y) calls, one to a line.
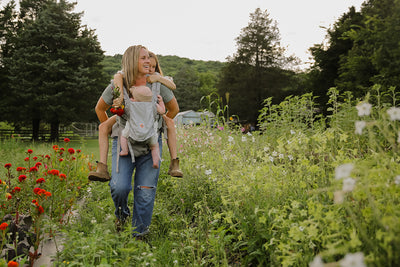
point(299, 192)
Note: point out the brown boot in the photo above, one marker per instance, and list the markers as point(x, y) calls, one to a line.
point(174, 168)
point(101, 174)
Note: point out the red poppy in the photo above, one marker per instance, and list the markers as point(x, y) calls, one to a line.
point(55, 172)
point(40, 209)
point(47, 157)
point(22, 178)
point(47, 193)
point(8, 196)
point(55, 147)
point(78, 151)
point(38, 164)
point(33, 169)
point(26, 159)
point(7, 165)
point(40, 180)
point(30, 151)
point(62, 149)
point(34, 158)
point(3, 226)
point(17, 189)
point(35, 202)
point(12, 264)
point(66, 140)
point(63, 176)
point(38, 191)
point(61, 160)
point(71, 150)
point(20, 169)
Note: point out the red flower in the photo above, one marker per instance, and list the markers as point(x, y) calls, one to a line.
point(7, 165)
point(12, 264)
point(66, 140)
point(55, 147)
point(33, 169)
point(55, 172)
point(35, 202)
point(118, 111)
point(8, 196)
point(47, 157)
point(17, 189)
point(38, 191)
point(26, 159)
point(34, 158)
point(20, 169)
point(30, 151)
point(38, 164)
point(63, 176)
point(3, 226)
point(62, 149)
point(61, 160)
point(71, 150)
point(47, 193)
point(73, 158)
point(40, 209)
point(40, 180)
point(78, 151)
point(22, 178)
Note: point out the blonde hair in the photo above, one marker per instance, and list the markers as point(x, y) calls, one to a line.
point(158, 67)
point(130, 65)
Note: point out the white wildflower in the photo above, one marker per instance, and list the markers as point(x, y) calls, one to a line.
point(249, 134)
point(360, 125)
point(230, 139)
point(343, 171)
point(253, 139)
point(338, 197)
point(290, 157)
point(289, 142)
point(274, 154)
point(292, 132)
point(175, 261)
point(364, 109)
point(348, 184)
point(301, 228)
point(244, 138)
point(397, 180)
point(208, 172)
point(281, 156)
point(271, 159)
point(394, 113)
point(353, 260)
point(266, 149)
point(317, 262)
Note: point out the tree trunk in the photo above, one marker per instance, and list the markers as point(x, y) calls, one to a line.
point(54, 131)
point(35, 129)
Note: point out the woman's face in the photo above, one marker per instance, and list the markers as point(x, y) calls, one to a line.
point(144, 62)
point(153, 65)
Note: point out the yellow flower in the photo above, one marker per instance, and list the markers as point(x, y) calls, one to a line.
point(230, 118)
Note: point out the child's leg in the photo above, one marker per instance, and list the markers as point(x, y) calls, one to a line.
point(101, 174)
point(171, 142)
point(155, 154)
point(124, 146)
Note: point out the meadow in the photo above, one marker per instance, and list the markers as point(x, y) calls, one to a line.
point(304, 190)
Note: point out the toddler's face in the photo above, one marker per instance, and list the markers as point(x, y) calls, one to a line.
point(152, 66)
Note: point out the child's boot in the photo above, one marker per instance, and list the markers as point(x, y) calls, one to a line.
point(174, 168)
point(101, 174)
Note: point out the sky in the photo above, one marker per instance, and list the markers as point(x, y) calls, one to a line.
point(206, 29)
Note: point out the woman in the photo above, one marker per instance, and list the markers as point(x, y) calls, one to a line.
point(135, 65)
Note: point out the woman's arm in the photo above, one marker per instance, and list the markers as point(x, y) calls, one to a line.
point(101, 108)
point(118, 82)
point(164, 80)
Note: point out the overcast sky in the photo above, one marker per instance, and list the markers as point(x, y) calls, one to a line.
point(206, 29)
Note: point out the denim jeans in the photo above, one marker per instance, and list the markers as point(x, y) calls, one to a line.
point(144, 187)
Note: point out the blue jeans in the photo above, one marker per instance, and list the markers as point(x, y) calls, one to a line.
point(144, 187)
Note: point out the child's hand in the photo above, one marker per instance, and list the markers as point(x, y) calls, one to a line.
point(153, 78)
point(118, 102)
point(160, 105)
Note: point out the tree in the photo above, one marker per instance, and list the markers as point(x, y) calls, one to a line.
point(187, 93)
point(255, 71)
point(55, 70)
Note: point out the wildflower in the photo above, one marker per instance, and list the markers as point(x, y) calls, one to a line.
point(274, 153)
point(394, 113)
point(292, 132)
point(55, 147)
point(66, 140)
point(34, 158)
point(397, 180)
point(40, 209)
point(208, 172)
point(71, 150)
point(353, 260)
point(175, 261)
point(3, 226)
point(47, 157)
point(364, 109)
point(20, 169)
point(38, 164)
point(79, 151)
point(360, 125)
point(8, 196)
point(271, 158)
point(47, 194)
point(12, 264)
point(230, 139)
point(348, 184)
point(63, 176)
point(266, 149)
point(244, 138)
point(22, 178)
point(54, 172)
point(290, 157)
point(17, 189)
point(30, 151)
point(61, 160)
point(26, 159)
point(281, 156)
point(40, 180)
point(7, 165)
point(343, 171)
point(317, 262)
point(33, 169)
